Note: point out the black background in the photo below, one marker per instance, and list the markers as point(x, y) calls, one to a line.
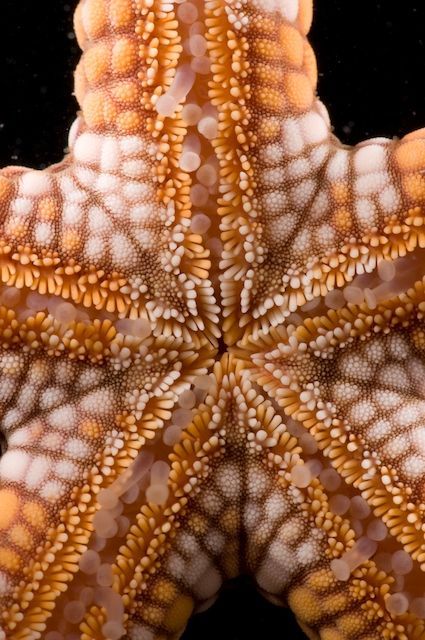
point(372, 70)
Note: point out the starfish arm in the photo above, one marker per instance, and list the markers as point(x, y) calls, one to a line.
point(73, 431)
point(276, 143)
point(365, 455)
point(309, 206)
point(363, 218)
point(116, 213)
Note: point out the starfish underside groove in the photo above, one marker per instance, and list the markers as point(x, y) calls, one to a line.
point(212, 341)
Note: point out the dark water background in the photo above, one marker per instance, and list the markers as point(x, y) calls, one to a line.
point(371, 59)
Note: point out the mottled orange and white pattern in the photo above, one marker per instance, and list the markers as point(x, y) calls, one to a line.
point(212, 341)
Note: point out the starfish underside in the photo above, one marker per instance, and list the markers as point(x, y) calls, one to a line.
point(212, 341)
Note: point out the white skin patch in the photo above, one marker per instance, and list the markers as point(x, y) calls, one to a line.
point(37, 472)
point(370, 158)
point(139, 632)
point(34, 183)
point(228, 480)
point(52, 491)
point(337, 167)
point(292, 138)
point(87, 148)
point(63, 418)
point(314, 129)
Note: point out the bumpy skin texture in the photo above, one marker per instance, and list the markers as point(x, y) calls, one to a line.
point(212, 341)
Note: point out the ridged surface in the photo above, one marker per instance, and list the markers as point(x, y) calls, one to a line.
point(211, 341)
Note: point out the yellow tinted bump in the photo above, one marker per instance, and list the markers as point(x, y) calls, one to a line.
point(96, 63)
point(267, 49)
point(80, 82)
point(34, 514)
point(351, 624)
point(413, 135)
point(230, 520)
point(121, 13)
point(305, 15)
point(310, 63)
point(268, 129)
point(418, 339)
point(126, 91)
point(94, 18)
point(178, 614)
point(414, 185)
point(321, 580)
point(164, 591)
point(198, 523)
point(410, 155)
point(299, 91)
point(20, 536)
point(124, 57)
point(342, 219)
point(47, 209)
point(264, 25)
point(9, 506)
point(109, 110)
point(5, 187)
point(129, 121)
point(93, 108)
point(272, 99)
point(70, 240)
point(305, 604)
point(90, 428)
point(78, 26)
point(264, 74)
point(292, 44)
point(16, 228)
point(336, 602)
point(330, 634)
point(340, 192)
point(153, 615)
point(9, 560)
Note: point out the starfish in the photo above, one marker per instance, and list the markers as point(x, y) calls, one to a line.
point(212, 341)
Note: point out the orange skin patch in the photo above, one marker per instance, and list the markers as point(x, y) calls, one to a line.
point(310, 63)
point(97, 63)
point(121, 13)
point(9, 560)
point(305, 15)
point(414, 185)
point(9, 502)
point(21, 536)
point(271, 98)
point(5, 187)
point(410, 155)
point(124, 57)
point(268, 128)
point(270, 76)
point(267, 49)
point(292, 44)
point(48, 209)
point(178, 613)
point(93, 108)
point(95, 18)
point(128, 121)
point(126, 92)
point(299, 91)
point(90, 429)
point(340, 192)
point(342, 219)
